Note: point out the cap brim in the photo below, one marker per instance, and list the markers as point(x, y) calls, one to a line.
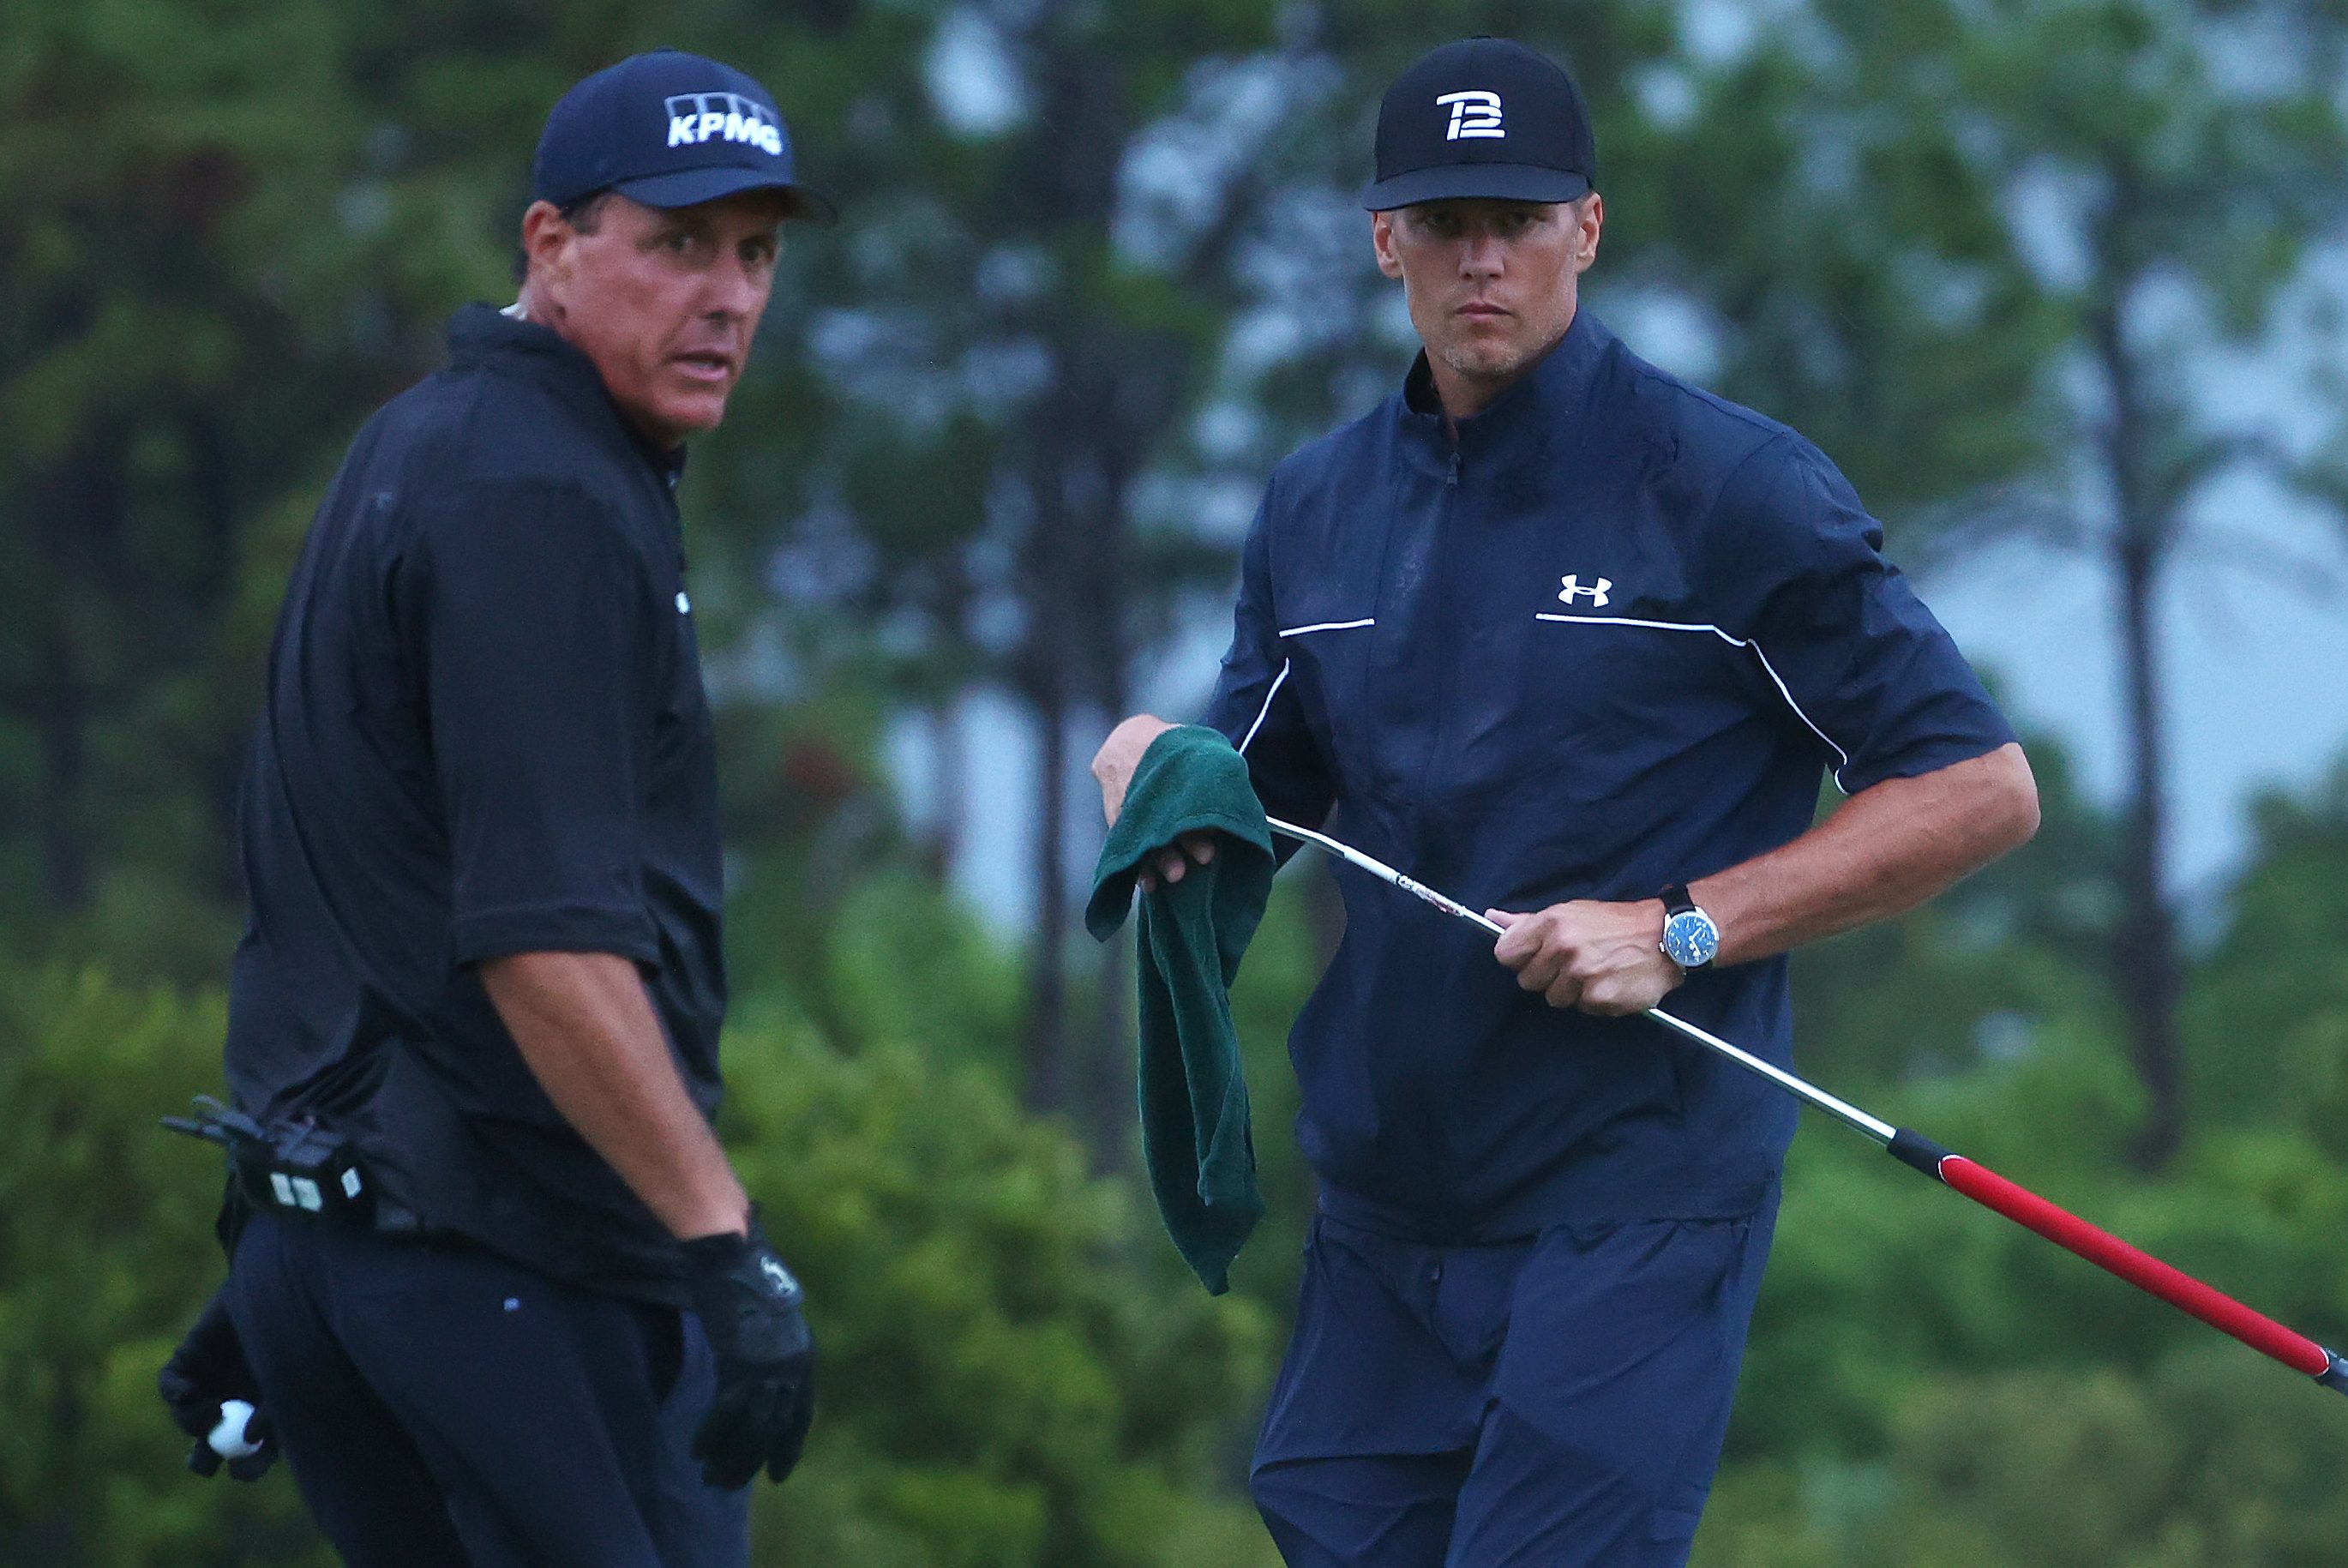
point(1474, 182)
point(692, 187)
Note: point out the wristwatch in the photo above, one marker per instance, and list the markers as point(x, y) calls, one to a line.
point(1689, 938)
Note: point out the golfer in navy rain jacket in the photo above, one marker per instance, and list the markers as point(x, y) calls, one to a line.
point(1565, 637)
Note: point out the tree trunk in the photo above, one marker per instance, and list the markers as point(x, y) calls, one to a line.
point(2144, 964)
point(1071, 187)
point(219, 767)
point(77, 517)
point(1047, 981)
point(1108, 1067)
point(949, 789)
point(61, 720)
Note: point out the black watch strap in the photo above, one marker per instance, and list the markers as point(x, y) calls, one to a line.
point(1677, 899)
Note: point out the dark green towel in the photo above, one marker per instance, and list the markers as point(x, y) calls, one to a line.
point(1194, 1104)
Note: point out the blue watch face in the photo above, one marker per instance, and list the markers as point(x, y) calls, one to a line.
point(1690, 939)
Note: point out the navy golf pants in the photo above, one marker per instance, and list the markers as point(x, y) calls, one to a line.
point(445, 1409)
point(1558, 1402)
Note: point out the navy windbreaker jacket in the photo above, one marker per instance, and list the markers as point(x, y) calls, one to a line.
point(1603, 642)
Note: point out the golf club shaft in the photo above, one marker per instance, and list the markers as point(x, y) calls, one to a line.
point(1385, 872)
point(1975, 1180)
point(1842, 1112)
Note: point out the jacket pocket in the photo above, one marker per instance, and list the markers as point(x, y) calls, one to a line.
point(1610, 697)
point(1328, 662)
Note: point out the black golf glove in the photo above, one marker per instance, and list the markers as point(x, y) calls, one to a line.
point(749, 1308)
point(207, 1370)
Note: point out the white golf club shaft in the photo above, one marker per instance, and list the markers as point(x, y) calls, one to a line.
point(1882, 1131)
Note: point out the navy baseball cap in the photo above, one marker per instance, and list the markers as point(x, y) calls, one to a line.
point(1483, 117)
point(669, 129)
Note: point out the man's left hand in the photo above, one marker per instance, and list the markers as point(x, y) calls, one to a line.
point(1602, 958)
point(765, 1402)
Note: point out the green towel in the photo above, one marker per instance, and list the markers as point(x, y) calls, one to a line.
point(1194, 1106)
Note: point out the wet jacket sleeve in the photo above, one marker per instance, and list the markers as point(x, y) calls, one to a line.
point(1256, 708)
point(533, 620)
point(1838, 633)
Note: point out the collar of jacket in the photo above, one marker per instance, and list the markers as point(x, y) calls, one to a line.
point(1527, 414)
point(481, 336)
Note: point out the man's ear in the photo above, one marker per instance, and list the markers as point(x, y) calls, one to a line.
point(1382, 241)
point(1590, 217)
point(546, 236)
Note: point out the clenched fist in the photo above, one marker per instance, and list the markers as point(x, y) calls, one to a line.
point(1602, 958)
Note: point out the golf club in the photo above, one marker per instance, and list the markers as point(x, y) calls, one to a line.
point(1975, 1180)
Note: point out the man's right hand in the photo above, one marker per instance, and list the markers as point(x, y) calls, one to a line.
point(1119, 755)
point(765, 1402)
point(206, 1373)
point(1113, 766)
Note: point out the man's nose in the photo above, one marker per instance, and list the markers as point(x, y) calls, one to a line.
point(1481, 253)
point(737, 288)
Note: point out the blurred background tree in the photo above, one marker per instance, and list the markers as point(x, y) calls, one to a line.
point(2175, 198)
point(1101, 265)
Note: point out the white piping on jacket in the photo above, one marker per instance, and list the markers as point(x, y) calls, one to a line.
point(1265, 711)
point(1769, 669)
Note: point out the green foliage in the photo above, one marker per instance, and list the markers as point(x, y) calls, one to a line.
point(908, 962)
point(1013, 1372)
point(2266, 1024)
point(105, 1252)
point(1929, 1383)
point(1015, 1375)
point(236, 226)
point(1973, 977)
point(2200, 1463)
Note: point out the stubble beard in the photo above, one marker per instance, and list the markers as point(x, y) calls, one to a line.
point(1474, 361)
point(1487, 363)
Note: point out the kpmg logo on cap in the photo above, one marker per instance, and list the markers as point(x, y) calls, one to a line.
point(695, 118)
point(1476, 113)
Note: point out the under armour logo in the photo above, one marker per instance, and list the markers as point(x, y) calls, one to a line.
point(1476, 113)
point(1573, 580)
point(778, 1278)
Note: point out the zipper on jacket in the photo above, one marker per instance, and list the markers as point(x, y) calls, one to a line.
point(1432, 766)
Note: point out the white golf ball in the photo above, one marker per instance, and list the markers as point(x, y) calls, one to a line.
point(227, 1439)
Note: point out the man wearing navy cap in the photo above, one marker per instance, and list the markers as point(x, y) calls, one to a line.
point(1559, 633)
point(479, 836)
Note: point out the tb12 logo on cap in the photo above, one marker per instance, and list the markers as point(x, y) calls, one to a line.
point(697, 117)
point(1473, 113)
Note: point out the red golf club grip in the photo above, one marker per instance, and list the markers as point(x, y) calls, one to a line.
point(2138, 1267)
point(2107, 1251)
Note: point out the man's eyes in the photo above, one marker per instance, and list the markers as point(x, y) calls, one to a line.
point(758, 253)
point(1510, 226)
